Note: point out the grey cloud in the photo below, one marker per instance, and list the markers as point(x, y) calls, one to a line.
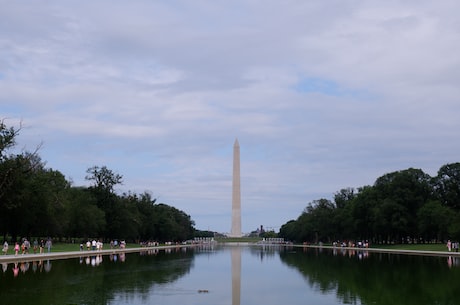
point(158, 91)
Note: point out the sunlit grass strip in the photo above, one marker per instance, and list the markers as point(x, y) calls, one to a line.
point(415, 247)
point(239, 239)
point(67, 247)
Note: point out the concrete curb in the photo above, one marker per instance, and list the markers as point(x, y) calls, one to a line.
point(380, 250)
point(11, 258)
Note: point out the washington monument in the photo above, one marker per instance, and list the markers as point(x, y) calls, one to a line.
point(236, 194)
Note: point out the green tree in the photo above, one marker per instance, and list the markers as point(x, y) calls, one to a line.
point(390, 221)
point(402, 194)
point(172, 224)
point(289, 231)
point(433, 220)
point(84, 217)
point(22, 202)
point(343, 197)
point(104, 179)
point(343, 221)
point(145, 205)
point(400, 206)
point(54, 192)
point(454, 225)
point(362, 213)
point(447, 184)
point(7, 138)
point(316, 222)
point(104, 182)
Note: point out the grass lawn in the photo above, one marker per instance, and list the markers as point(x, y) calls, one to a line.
point(66, 247)
point(239, 239)
point(420, 247)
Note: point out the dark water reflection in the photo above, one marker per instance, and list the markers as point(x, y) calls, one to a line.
point(358, 277)
point(92, 280)
point(235, 275)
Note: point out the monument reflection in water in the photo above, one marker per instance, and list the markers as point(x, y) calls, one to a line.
point(235, 275)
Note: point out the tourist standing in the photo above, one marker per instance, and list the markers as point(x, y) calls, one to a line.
point(42, 246)
point(48, 245)
point(35, 246)
point(449, 245)
point(16, 248)
point(5, 247)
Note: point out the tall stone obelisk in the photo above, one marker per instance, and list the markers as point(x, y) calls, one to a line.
point(236, 194)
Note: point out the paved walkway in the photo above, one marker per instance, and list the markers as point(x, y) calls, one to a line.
point(395, 251)
point(11, 258)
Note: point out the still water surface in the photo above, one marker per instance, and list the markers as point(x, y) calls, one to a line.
point(235, 275)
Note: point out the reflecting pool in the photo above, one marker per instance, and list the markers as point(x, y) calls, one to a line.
point(246, 275)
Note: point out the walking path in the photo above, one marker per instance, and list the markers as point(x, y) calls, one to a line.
point(11, 258)
point(381, 250)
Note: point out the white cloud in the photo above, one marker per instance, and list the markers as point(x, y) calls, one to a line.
point(322, 95)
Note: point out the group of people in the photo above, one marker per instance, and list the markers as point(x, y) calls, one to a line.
point(97, 245)
point(25, 246)
point(92, 245)
point(351, 244)
point(452, 246)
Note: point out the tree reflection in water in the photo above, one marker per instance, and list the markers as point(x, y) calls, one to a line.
point(378, 278)
point(259, 275)
point(72, 280)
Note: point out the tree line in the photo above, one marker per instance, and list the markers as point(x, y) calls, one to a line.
point(400, 207)
point(36, 201)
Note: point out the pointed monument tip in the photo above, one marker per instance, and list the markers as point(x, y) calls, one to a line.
point(236, 142)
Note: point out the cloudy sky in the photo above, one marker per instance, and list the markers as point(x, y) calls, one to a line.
point(322, 95)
